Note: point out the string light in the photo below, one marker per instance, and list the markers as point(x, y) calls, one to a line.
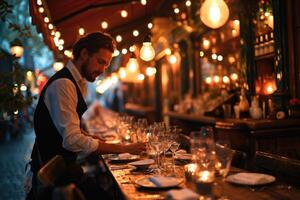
point(41, 10)
point(176, 10)
point(214, 56)
point(201, 53)
point(46, 20)
point(39, 2)
point(135, 33)
point(81, 31)
point(206, 44)
point(50, 26)
point(104, 25)
point(119, 38)
point(60, 47)
point(220, 57)
point(61, 42)
point(143, 2)
point(172, 59)
point(188, 3)
point(147, 52)
point(141, 77)
point(124, 13)
point(57, 34)
point(124, 51)
point(132, 48)
point(150, 25)
point(150, 71)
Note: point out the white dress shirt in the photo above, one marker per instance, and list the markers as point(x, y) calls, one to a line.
point(61, 102)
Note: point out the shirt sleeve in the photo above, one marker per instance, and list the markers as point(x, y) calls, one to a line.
point(61, 102)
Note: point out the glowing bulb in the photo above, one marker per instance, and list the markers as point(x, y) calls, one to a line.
point(104, 25)
point(132, 65)
point(214, 13)
point(150, 71)
point(39, 2)
point(81, 31)
point(150, 25)
point(147, 52)
point(50, 26)
point(116, 53)
point(143, 2)
point(206, 44)
point(135, 33)
point(208, 80)
point(234, 76)
point(58, 66)
point(220, 57)
point(57, 34)
point(201, 53)
point(168, 51)
point(119, 38)
point(122, 72)
point(214, 56)
point(60, 47)
point(216, 79)
point(132, 48)
point(41, 10)
point(176, 10)
point(226, 79)
point(141, 77)
point(173, 59)
point(68, 53)
point(124, 51)
point(124, 13)
point(188, 3)
point(46, 19)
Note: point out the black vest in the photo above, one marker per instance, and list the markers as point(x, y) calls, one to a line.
point(48, 142)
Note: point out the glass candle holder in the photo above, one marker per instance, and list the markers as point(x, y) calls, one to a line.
point(204, 182)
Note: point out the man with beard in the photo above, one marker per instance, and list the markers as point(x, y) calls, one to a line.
point(57, 118)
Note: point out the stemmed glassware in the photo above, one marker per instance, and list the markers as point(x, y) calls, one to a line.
point(224, 156)
point(156, 144)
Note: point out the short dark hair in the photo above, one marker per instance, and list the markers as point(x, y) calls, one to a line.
point(93, 42)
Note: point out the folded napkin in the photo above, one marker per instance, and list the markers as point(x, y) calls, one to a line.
point(250, 178)
point(182, 194)
point(163, 181)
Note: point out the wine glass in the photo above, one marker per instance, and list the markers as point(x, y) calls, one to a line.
point(156, 144)
point(224, 156)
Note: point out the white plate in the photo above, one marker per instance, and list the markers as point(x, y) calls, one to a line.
point(141, 163)
point(147, 183)
point(123, 159)
point(250, 178)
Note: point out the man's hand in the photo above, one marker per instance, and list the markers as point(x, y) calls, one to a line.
point(135, 148)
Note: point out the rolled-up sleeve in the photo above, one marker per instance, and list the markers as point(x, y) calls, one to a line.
point(61, 103)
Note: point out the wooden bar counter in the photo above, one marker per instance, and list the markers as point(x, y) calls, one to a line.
point(281, 137)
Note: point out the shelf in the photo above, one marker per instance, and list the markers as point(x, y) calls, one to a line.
point(265, 56)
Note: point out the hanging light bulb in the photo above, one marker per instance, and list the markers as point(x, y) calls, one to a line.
point(132, 64)
point(104, 25)
point(81, 31)
point(214, 13)
point(147, 52)
point(58, 65)
point(143, 2)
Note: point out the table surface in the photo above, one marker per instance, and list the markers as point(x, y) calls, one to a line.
point(126, 179)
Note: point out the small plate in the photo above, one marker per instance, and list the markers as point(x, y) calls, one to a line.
point(250, 179)
point(147, 183)
point(124, 159)
point(142, 164)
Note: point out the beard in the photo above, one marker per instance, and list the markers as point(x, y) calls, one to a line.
point(86, 73)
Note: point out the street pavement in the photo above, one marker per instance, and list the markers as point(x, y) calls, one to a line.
point(14, 154)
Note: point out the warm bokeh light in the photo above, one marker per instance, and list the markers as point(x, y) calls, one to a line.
point(17, 51)
point(168, 51)
point(58, 66)
point(172, 59)
point(50, 26)
point(226, 79)
point(41, 10)
point(208, 80)
point(214, 56)
point(206, 44)
point(216, 79)
point(122, 72)
point(119, 38)
point(116, 53)
point(214, 13)
point(201, 53)
point(234, 76)
point(147, 52)
point(150, 71)
point(68, 53)
point(176, 10)
point(220, 57)
point(124, 13)
point(150, 25)
point(143, 2)
point(132, 65)
point(124, 51)
point(46, 19)
point(188, 3)
point(141, 77)
point(81, 31)
point(132, 48)
point(104, 25)
point(135, 33)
